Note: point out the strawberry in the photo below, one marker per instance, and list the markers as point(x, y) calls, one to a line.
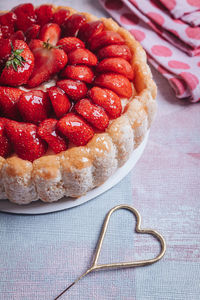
point(75, 129)
point(82, 56)
point(34, 106)
point(61, 16)
point(25, 140)
point(92, 113)
point(5, 146)
point(75, 90)
point(5, 32)
point(115, 82)
point(8, 102)
point(44, 14)
point(48, 132)
point(90, 29)
point(18, 35)
point(121, 51)
point(116, 65)
point(70, 43)
point(48, 61)
point(7, 21)
point(25, 16)
point(59, 101)
point(82, 73)
point(71, 26)
point(105, 38)
point(19, 65)
point(50, 33)
point(106, 99)
point(5, 50)
point(32, 32)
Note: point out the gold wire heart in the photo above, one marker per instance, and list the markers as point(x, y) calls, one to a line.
point(130, 264)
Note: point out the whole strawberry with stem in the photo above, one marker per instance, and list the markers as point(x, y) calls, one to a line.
point(18, 65)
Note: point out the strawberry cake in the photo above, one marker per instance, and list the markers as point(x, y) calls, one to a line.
point(76, 98)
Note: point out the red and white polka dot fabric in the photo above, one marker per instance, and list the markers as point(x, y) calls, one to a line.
point(176, 56)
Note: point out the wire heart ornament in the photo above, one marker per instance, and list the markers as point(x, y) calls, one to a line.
point(95, 266)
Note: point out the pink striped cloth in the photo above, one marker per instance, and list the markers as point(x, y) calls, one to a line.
point(172, 45)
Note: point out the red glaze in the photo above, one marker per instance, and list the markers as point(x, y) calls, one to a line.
point(59, 101)
point(92, 113)
point(75, 129)
point(48, 132)
point(34, 106)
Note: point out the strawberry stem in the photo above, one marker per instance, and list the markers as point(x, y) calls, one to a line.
point(15, 60)
point(49, 46)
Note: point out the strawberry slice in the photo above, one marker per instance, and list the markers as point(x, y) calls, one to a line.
point(115, 82)
point(82, 73)
point(75, 90)
point(59, 101)
point(121, 51)
point(44, 14)
point(116, 65)
point(71, 26)
point(61, 16)
point(19, 65)
point(34, 106)
point(92, 113)
point(48, 132)
point(48, 61)
point(32, 32)
point(70, 43)
point(25, 140)
point(7, 21)
point(106, 99)
point(50, 33)
point(8, 102)
point(90, 29)
point(75, 129)
point(25, 16)
point(5, 146)
point(105, 38)
point(82, 56)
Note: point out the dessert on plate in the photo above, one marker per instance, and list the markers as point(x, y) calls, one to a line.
point(76, 98)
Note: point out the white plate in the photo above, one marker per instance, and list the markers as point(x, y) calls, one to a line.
point(40, 207)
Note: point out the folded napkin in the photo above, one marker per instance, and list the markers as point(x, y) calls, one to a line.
point(170, 45)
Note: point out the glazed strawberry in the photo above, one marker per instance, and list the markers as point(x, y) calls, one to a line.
point(44, 14)
point(5, 32)
point(71, 26)
point(25, 16)
point(50, 33)
point(116, 65)
point(83, 73)
point(121, 51)
point(48, 132)
point(70, 43)
point(19, 65)
point(32, 32)
point(60, 16)
point(75, 129)
point(90, 29)
point(48, 61)
point(75, 90)
point(82, 56)
point(106, 99)
point(5, 50)
point(25, 140)
point(92, 113)
point(105, 38)
point(8, 102)
point(115, 82)
point(34, 106)
point(8, 21)
point(18, 35)
point(59, 101)
point(5, 146)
